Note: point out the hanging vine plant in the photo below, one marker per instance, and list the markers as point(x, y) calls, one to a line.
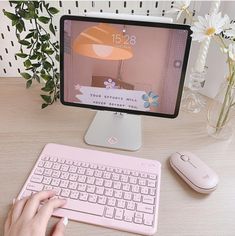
point(37, 47)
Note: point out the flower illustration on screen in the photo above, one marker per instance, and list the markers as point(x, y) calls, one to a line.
point(150, 99)
point(109, 84)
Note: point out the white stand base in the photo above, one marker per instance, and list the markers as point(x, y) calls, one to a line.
point(115, 130)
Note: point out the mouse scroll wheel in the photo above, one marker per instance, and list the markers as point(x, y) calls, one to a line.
point(184, 158)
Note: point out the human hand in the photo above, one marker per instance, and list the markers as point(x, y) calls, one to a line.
point(25, 218)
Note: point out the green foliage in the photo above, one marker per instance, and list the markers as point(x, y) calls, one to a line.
point(36, 46)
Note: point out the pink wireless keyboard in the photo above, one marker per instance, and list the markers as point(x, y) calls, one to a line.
point(106, 189)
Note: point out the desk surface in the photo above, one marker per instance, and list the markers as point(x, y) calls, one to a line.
point(25, 129)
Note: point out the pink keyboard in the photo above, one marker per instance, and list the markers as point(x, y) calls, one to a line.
point(106, 189)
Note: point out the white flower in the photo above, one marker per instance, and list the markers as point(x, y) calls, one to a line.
point(109, 84)
point(208, 26)
point(231, 51)
point(179, 7)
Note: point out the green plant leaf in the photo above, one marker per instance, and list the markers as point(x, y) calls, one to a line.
point(53, 10)
point(28, 83)
point(22, 55)
point(49, 51)
point(30, 35)
point(24, 42)
point(44, 105)
point(46, 98)
point(10, 15)
point(26, 75)
point(47, 65)
point(27, 63)
point(51, 27)
point(57, 57)
point(44, 19)
point(19, 27)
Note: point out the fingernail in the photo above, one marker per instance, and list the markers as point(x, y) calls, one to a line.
point(65, 221)
point(13, 201)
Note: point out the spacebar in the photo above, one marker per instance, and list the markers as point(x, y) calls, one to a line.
point(85, 207)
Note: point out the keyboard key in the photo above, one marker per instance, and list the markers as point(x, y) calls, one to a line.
point(99, 190)
point(142, 182)
point(119, 214)
point(130, 205)
point(83, 196)
point(26, 194)
point(99, 182)
point(121, 203)
point(47, 172)
point(144, 190)
point(137, 197)
point(117, 193)
point(126, 187)
point(74, 194)
point(135, 189)
point(90, 172)
point(128, 215)
point(72, 169)
point(69, 162)
point(108, 192)
point(148, 199)
point(48, 164)
point(151, 176)
point(36, 178)
point(64, 167)
point(102, 200)
point(107, 175)
point(65, 193)
point(144, 208)
point(64, 183)
point(56, 166)
point(55, 182)
point(39, 171)
point(46, 180)
point(53, 159)
point(81, 187)
point(117, 185)
point(152, 183)
point(81, 178)
point(138, 220)
point(133, 180)
point(56, 174)
point(64, 175)
point(143, 175)
point(152, 191)
point(73, 185)
point(41, 163)
point(109, 212)
point(92, 198)
point(98, 174)
point(108, 183)
point(81, 170)
point(148, 219)
point(127, 196)
point(35, 187)
point(111, 201)
point(73, 177)
point(90, 180)
point(85, 207)
point(124, 178)
point(90, 188)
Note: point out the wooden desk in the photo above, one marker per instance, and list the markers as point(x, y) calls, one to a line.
point(25, 129)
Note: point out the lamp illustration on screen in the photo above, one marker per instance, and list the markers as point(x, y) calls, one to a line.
point(105, 42)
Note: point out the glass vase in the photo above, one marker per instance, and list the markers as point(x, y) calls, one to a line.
point(220, 112)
